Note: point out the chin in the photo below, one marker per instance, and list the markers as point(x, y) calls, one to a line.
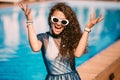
point(56, 34)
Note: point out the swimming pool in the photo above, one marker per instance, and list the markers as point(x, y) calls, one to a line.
point(18, 62)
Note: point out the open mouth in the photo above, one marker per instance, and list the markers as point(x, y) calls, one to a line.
point(58, 27)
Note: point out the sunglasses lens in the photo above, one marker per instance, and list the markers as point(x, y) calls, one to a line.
point(64, 22)
point(55, 19)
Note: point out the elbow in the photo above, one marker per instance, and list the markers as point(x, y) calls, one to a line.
point(78, 54)
point(36, 49)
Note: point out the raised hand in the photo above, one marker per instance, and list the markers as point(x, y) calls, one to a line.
point(26, 10)
point(94, 20)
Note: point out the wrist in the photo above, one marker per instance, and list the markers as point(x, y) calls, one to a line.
point(29, 22)
point(29, 18)
point(87, 29)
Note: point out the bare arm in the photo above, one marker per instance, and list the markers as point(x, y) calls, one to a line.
point(83, 41)
point(34, 42)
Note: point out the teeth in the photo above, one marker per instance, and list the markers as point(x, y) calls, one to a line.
point(57, 27)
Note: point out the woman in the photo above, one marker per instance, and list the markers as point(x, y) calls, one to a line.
point(62, 43)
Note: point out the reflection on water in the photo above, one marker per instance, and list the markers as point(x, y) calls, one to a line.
point(7, 53)
point(18, 62)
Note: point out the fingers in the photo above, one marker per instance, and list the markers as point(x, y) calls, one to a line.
point(90, 17)
point(94, 16)
point(20, 4)
point(100, 18)
point(94, 20)
point(27, 7)
point(24, 8)
point(29, 11)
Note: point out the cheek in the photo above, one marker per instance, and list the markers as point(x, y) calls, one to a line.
point(62, 28)
point(52, 26)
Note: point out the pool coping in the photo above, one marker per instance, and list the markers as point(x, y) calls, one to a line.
point(93, 68)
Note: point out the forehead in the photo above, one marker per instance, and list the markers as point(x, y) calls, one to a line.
point(59, 14)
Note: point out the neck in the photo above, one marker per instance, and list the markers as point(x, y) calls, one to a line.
point(54, 35)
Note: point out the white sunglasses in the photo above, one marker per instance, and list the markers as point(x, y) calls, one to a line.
point(64, 22)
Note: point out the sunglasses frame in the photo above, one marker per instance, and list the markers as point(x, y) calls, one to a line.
point(59, 20)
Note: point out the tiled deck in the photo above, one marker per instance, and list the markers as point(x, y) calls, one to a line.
point(103, 66)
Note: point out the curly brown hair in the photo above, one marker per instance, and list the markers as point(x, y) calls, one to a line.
point(72, 33)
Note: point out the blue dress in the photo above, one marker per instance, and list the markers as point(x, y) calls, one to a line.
point(57, 68)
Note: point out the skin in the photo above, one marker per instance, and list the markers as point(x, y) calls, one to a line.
point(57, 29)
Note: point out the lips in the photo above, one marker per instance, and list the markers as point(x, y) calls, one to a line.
point(58, 27)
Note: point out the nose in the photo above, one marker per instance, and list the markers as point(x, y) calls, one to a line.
point(59, 23)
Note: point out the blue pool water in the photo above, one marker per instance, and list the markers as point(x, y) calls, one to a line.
point(18, 62)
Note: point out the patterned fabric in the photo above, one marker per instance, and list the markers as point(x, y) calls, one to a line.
point(58, 69)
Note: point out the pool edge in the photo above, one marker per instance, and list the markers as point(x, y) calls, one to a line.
point(102, 66)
